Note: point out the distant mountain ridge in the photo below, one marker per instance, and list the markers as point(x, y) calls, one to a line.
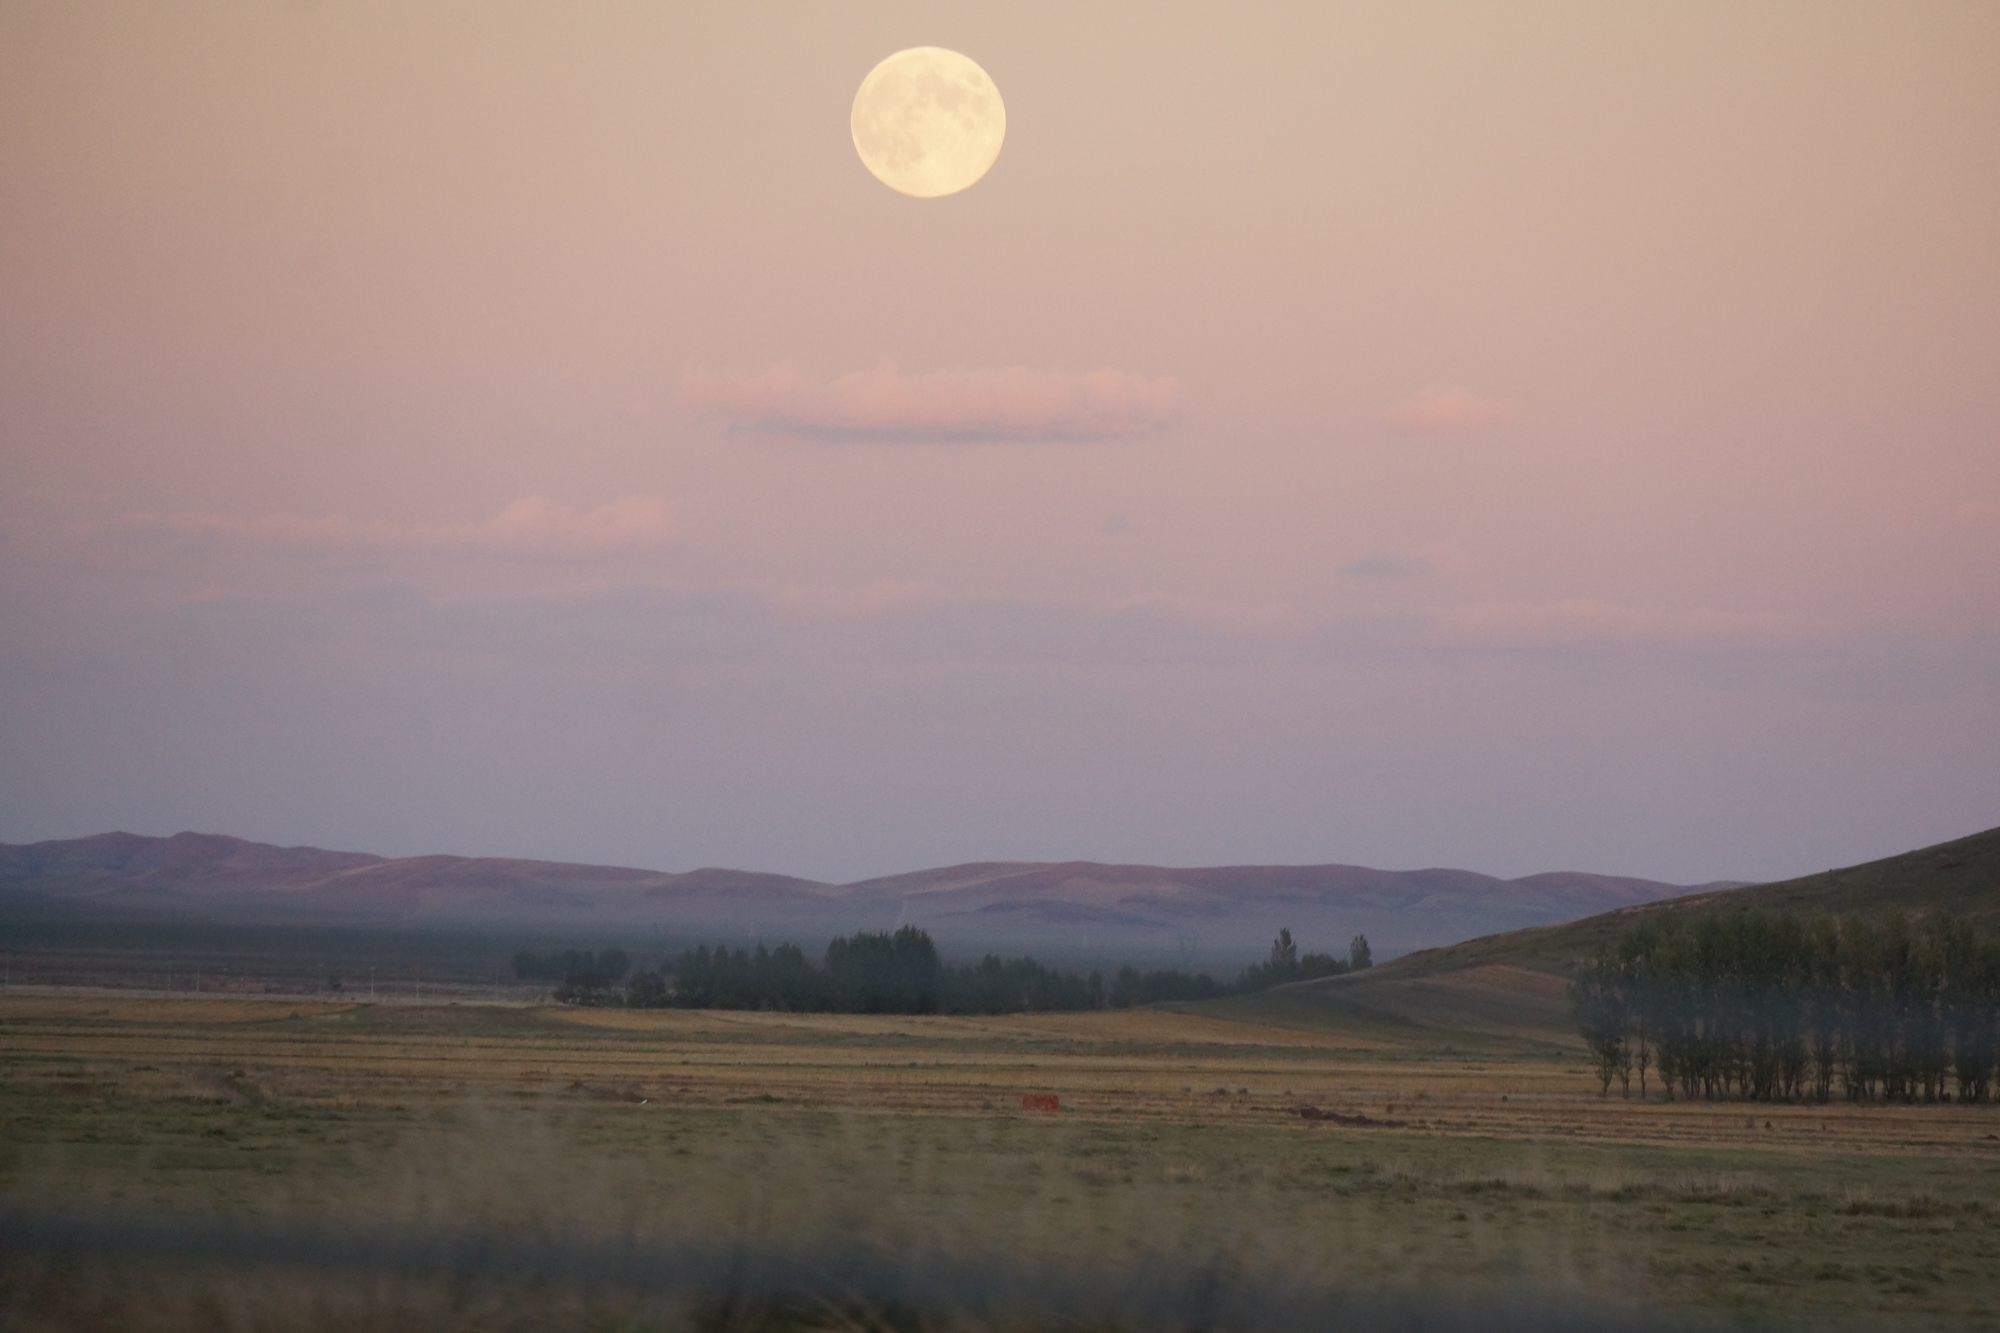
point(1072, 907)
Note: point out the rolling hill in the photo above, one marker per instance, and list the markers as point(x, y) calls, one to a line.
point(1211, 917)
point(1512, 986)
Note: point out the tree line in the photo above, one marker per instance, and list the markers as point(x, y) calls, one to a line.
point(896, 972)
point(1778, 1006)
point(580, 976)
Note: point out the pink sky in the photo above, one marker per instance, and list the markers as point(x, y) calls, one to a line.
point(1516, 436)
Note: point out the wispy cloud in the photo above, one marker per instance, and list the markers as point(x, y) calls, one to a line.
point(976, 625)
point(1446, 409)
point(995, 403)
point(532, 527)
point(1582, 625)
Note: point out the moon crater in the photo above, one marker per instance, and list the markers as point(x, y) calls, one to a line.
point(928, 122)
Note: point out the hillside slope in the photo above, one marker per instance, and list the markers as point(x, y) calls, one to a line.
point(1961, 877)
point(1511, 986)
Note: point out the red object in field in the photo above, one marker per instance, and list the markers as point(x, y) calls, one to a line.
point(1041, 1101)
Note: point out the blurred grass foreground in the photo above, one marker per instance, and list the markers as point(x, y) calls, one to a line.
point(171, 1275)
point(251, 1164)
point(539, 1217)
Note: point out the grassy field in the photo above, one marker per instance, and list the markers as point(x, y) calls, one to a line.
point(1479, 1164)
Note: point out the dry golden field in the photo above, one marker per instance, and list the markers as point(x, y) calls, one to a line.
point(1479, 1164)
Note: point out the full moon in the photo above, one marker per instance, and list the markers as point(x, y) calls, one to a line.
point(928, 122)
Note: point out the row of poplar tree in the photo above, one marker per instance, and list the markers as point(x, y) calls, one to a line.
point(1775, 1006)
point(896, 973)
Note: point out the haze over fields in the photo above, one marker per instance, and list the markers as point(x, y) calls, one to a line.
point(1218, 916)
point(1526, 434)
